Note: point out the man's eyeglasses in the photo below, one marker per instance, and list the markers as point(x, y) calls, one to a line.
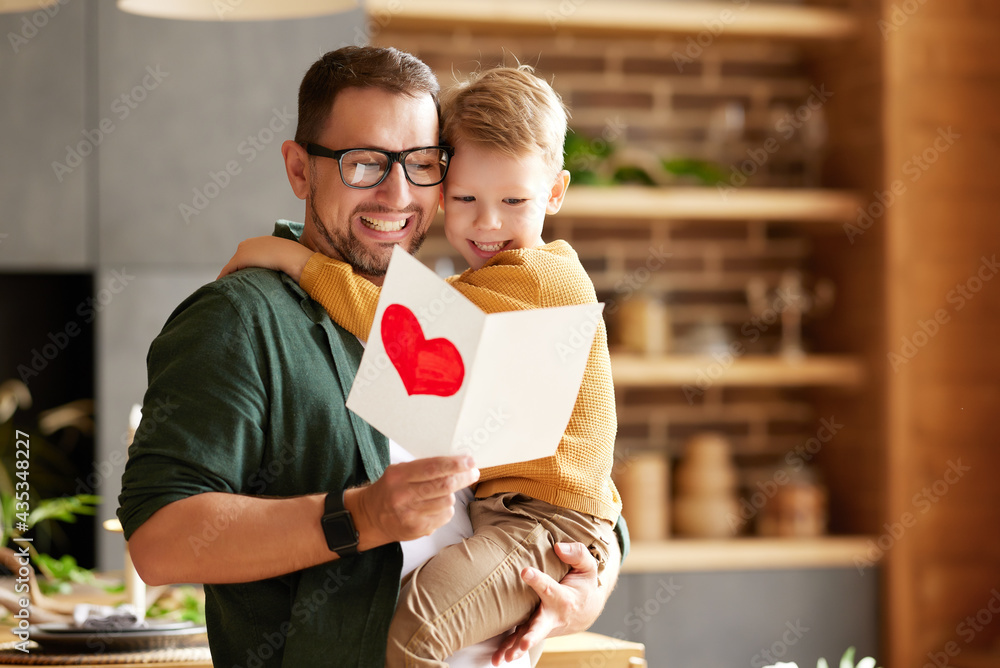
point(367, 167)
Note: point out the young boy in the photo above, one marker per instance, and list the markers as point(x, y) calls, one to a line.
point(508, 128)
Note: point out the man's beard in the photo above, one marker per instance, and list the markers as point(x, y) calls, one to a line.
point(351, 250)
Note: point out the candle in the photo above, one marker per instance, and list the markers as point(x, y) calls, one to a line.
point(135, 588)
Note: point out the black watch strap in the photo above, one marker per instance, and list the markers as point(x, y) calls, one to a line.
point(338, 526)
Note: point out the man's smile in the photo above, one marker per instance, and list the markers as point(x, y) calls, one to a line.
point(384, 224)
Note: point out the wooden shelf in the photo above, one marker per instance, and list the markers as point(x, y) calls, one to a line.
point(630, 370)
point(783, 205)
point(740, 554)
point(797, 205)
point(628, 17)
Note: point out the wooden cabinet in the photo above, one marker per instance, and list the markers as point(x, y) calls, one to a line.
point(941, 88)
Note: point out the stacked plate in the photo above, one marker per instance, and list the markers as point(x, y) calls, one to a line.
point(73, 639)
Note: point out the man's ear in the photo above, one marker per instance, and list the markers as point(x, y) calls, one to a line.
point(297, 167)
point(557, 193)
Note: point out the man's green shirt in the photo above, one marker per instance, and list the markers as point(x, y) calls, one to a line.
point(247, 383)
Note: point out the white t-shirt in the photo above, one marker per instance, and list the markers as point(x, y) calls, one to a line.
point(416, 552)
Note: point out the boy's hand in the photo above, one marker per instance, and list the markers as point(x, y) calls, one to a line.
point(269, 253)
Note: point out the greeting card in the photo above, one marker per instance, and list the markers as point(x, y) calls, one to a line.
point(440, 377)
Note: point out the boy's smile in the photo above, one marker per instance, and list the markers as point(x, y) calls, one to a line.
point(495, 202)
point(491, 248)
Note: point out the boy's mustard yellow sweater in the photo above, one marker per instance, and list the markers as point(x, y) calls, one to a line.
point(578, 476)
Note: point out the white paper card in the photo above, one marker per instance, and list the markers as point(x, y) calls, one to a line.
point(440, 377)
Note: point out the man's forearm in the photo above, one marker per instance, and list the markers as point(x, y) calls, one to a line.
point(216, 538)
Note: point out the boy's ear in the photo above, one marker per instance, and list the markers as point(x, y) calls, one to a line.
point(557, 193)
point(441, 197)
point(297, 167)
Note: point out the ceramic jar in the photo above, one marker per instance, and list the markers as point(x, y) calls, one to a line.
point(644, 485)
point(706, 480)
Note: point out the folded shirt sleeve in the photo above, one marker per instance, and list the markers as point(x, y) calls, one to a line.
point(203, 412)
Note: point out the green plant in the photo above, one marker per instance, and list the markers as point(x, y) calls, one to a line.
point(846, 661)
point(707, 173)
point(23, 507)
point(183, 604)
point(601, 162)
point(48, 473)
point(584, 159)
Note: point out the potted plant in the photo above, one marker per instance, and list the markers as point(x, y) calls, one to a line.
point(846, 661)
point(24, 507)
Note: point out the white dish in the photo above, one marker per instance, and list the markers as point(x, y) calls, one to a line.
point(57, 637)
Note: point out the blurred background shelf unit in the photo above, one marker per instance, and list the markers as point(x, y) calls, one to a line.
point(755, 103)
point(894, 82)
point(747, 100)
point(695, 252)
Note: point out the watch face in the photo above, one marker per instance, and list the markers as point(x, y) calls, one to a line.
point(339, 530)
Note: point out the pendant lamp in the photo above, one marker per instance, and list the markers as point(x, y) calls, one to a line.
point(234, 10)
point(12, 6)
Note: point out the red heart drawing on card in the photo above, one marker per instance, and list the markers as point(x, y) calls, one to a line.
point(431, 366)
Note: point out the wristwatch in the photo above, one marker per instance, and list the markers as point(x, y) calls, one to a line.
point(338, 526)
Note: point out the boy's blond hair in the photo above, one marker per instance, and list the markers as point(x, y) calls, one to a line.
point(508, 109)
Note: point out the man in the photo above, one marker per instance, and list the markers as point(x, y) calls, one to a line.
point(256, 483)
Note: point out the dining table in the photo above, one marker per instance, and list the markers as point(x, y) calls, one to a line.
point(569, 651)
point(578, 650)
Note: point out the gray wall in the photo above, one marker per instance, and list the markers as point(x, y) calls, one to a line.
point(45, 86)
point(749, 619)
point(158, 107)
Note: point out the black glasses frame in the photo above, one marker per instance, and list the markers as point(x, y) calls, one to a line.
point(324, 152)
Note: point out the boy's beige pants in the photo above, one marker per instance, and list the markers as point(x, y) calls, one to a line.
point(472, 591)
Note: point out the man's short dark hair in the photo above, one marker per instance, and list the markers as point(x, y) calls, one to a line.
point(358, 67)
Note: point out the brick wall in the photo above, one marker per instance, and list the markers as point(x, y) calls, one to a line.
point(670, 96)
